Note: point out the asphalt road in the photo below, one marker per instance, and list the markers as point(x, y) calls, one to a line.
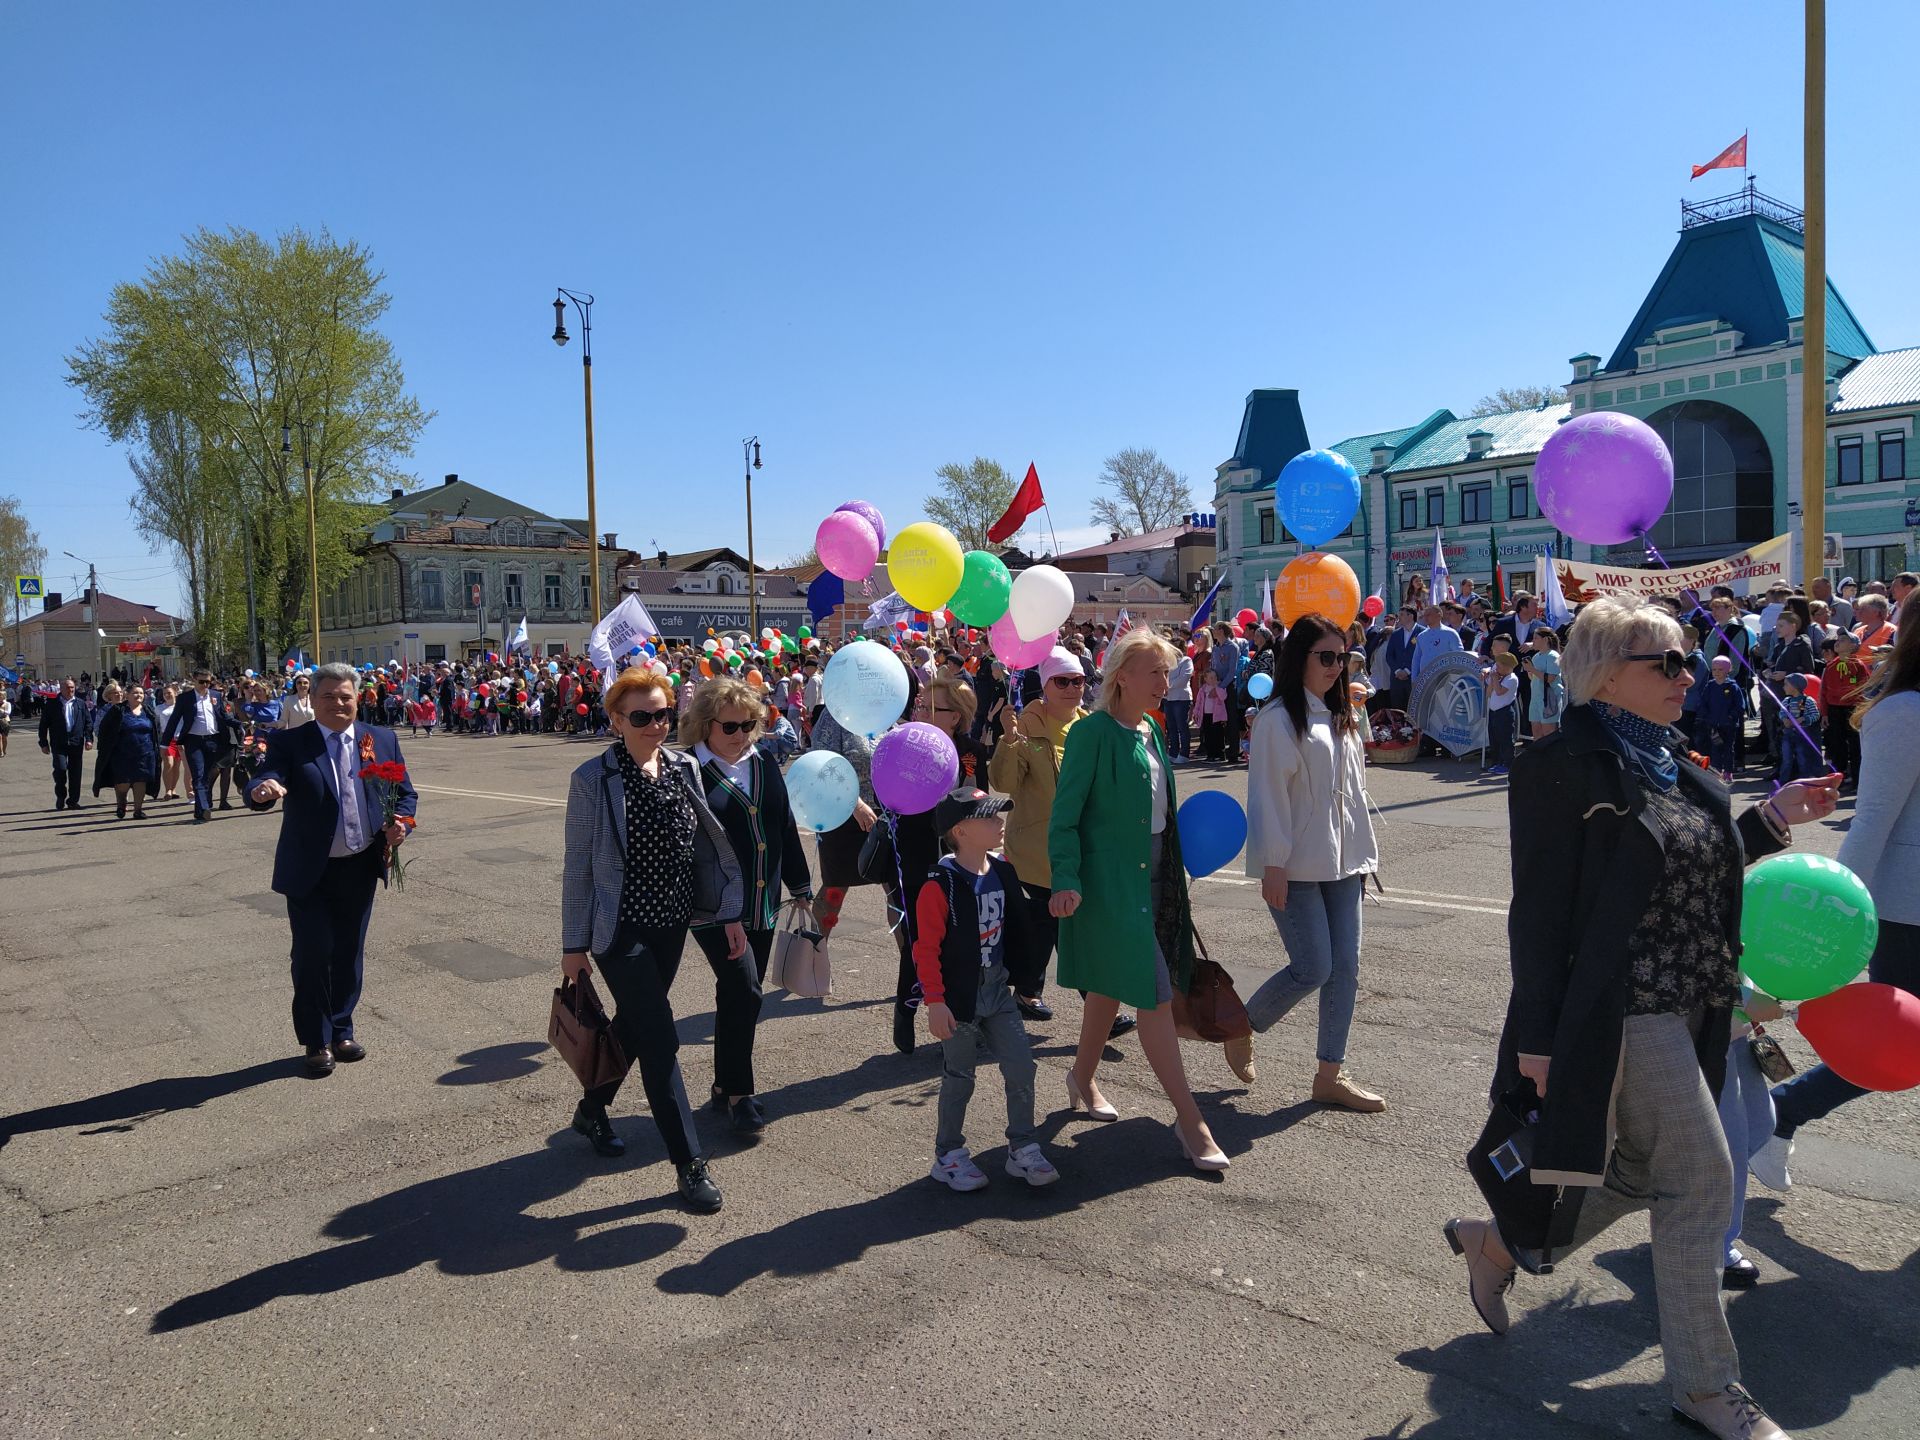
point(196, 1241)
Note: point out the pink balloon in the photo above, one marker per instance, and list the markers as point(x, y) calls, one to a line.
point(870, 515)
point(1868, 1033)
point(914, 765)
point(847, 545)
point(1604, 478)
point(1011, 650)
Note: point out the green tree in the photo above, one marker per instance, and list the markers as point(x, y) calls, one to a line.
point(203, 362)
point(1145, 495)
point(21, 553)
point(1518, 397)
point(970, 499)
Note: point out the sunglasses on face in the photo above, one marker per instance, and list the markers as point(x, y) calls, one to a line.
point(1671, 662)
point(644, 718)
point(1068, 682)
point(1329, 657)
point(727, 727)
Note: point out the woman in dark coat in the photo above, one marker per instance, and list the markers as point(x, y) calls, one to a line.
point(127, 753)
point(1622, 998)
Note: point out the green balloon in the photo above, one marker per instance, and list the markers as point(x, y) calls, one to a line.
point(790, 645)
point(985, 590)
point(1807, 926)
point(805, 633)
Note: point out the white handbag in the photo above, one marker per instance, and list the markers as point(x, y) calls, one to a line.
point(799, 964)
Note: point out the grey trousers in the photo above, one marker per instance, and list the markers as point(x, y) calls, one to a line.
point(1005, 1037)
point(1670, 1158)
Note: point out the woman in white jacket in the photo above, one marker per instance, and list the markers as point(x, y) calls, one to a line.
point(1310, 845)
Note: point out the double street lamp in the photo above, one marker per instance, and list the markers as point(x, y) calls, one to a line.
point(583, 306)
point(287, 427)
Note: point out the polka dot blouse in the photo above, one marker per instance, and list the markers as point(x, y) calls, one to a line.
point(658, 886)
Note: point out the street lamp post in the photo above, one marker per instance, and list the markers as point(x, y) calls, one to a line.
point(313, 541)
point(750, 461)
point(583, 306)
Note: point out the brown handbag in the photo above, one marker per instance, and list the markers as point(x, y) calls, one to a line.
point(1210, 1009)
point(580, 1030)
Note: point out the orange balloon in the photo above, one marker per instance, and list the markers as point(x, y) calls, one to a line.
point(706, 669)
point(1317, 583)
point(755, 679)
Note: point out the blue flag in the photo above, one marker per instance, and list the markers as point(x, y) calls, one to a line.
point(1206, 605)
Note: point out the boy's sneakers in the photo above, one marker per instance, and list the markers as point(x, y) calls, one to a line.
point(1769, 1163)
point(1029, 1163)
point(1494, 771)
point(956, 1170)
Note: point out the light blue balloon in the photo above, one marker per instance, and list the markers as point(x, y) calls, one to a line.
point(865, 689)
point(1260, 686)
point(553, 667)
point(1317, 495)
point(822, 789)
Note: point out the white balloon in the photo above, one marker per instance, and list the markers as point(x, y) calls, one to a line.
point(1042, 601)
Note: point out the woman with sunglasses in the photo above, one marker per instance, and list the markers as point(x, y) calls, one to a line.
point(1311, 846)
point(645, 858)
point(1623, 995)
point(748, 796)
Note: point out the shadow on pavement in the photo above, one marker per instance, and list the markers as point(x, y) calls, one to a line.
point(495, 1063)
point(474, 1222)
point(120, 1110)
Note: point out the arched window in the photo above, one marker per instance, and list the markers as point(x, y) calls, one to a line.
point(1722, 482)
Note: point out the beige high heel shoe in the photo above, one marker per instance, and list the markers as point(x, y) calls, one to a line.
point(1214, 1159)
point(1077, 1100)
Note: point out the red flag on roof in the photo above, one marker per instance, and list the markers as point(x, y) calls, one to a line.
point(1734, 157)
point(1026, 500)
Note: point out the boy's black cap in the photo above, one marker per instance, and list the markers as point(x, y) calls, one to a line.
point(967, 802)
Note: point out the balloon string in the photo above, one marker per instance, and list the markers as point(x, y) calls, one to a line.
point(1653, 553)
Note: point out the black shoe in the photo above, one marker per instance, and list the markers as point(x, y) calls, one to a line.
point(745, 1116)
point(1742, 1275)
point(1122, 1024)
point(226, 805)
point(349, 1050)
point(697, 1188)
point(200, 817)
point(903, 1036)
point(319, 1062)
point(1033, 1008)
point(592, 1122)
point(59, 804)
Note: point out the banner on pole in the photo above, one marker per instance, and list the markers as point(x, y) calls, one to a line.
point(1751, 570)
point(1449, 703)
point(617, 633)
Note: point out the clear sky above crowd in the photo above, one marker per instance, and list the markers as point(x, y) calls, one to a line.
point(886, 236)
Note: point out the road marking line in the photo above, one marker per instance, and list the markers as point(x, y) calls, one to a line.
point(489, 795)
point(1452, 895)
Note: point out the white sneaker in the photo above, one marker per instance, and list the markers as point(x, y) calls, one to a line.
point(957, 1170)
point(1029, 1163)
point(1769, 1163)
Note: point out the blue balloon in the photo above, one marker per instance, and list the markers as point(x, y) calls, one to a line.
point(1213, 828)
point(1317, 495)
point(822, 789)
point(865, 689)
point(1260, 686)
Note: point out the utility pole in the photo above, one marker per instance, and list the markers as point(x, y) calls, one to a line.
point(750, 459)
point(1813, 307)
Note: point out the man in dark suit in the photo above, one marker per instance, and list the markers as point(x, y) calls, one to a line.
point(66, 733)
point(200, 724)
point(332, 851)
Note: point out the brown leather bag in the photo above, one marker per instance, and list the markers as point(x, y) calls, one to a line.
point(1210, 1009)
point(583, 1034)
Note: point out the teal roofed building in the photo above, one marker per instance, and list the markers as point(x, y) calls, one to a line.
point(1713, 358)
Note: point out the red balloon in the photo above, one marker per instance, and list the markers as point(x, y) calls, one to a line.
point(1372, 606)
point(579, 709)
point(1248, 617)
point(1867, 1033)
point(481, 690)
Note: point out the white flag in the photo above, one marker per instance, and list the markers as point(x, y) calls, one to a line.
point(1553, 599)
point(519, 640)
point(619, 631)
point(1266, 600)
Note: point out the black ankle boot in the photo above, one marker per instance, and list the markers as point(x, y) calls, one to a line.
point(591, 1121)
point(697, 1188)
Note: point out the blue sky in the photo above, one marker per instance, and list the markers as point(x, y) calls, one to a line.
point(884, 236)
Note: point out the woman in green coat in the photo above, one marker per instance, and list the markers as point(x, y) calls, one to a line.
point(1118, 885)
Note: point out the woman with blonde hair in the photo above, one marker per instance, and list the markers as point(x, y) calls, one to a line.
point(1113, 843)
point(1623, 992)
point(645, 858)
point(951, 706)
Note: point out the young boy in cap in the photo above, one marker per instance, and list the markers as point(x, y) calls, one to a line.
point(972, 940)
point(1723, 709)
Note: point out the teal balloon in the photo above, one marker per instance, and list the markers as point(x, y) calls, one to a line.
point(1317, 495)
point(986, 589)
point(1260, 686)
point(1807, 926)
point(865, 689)
point(822, 789)
point(1213, 829)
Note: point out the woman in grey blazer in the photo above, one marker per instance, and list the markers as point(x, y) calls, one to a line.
point(645, 858)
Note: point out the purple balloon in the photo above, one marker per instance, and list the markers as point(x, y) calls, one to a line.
point(871, 515)
point(1604, 478)
point(914, 765)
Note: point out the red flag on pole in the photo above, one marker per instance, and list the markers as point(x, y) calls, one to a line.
point(1734, 157)
point(1026, 500)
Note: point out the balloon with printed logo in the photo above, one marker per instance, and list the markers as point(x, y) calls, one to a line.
point(1213, 829)
point(1604, 478)
point(1041, 601)
point(869, 514)
point(1010, 650)
point(1868, 1034)
point(1317, 584)
point(1807, 926)
point(1372, 606)
point(914, 765)
point(925, 565)
point(822, 789)
point(1317, 494)
point(865, 688)
point(985, 589)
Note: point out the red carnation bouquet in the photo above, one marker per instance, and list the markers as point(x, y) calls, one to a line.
point(387, 776)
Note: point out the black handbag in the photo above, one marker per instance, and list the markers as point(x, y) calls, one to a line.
point(877, 865)
point(1536, 1218)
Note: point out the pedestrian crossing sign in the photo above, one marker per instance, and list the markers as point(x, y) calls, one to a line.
point(27, 587)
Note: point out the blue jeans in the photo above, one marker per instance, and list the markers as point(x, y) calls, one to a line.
point(1321, 930)
point(1746, 1114)
point(1179, 737)
point(1818, 1092)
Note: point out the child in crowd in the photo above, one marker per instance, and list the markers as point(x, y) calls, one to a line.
point(1502, 679)
point(973, 937)
point(1547, 695)
point(1360, 689)
point(1723, 709)
point(1799, 722)
point(1841, 682)
point(779, 740)
point(1210, 705)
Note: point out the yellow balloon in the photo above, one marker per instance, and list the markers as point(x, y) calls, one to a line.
point(925, 565)
point(1317, 583)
